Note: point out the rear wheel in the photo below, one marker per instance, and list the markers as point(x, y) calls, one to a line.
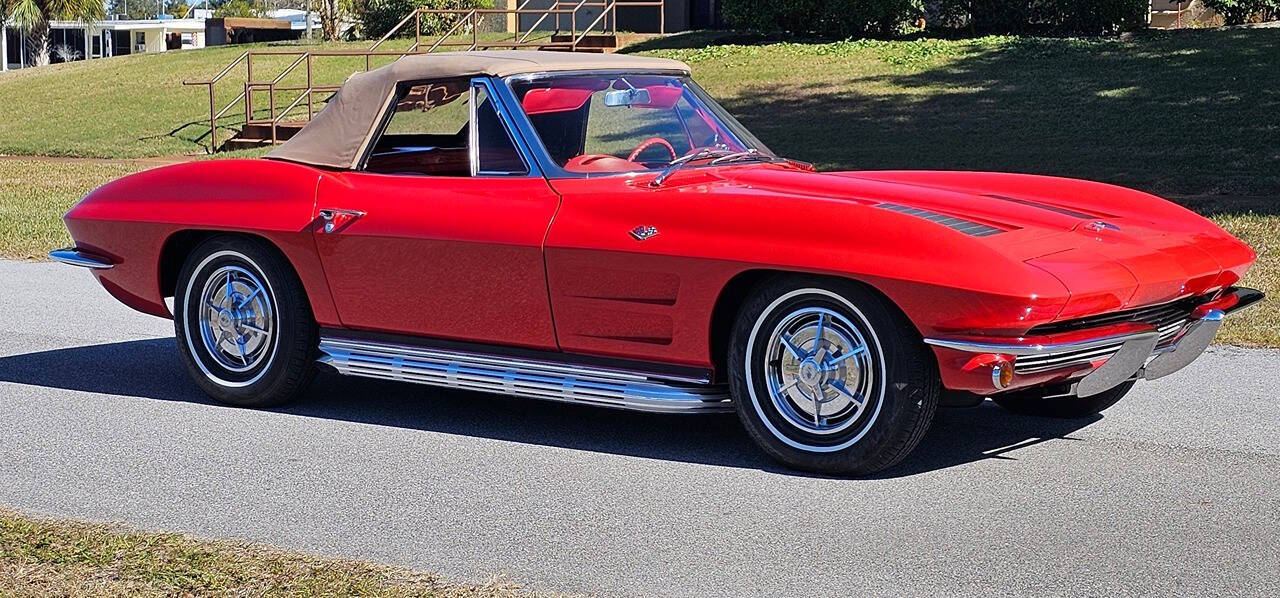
point(243, 323)
point(828, 377)
point(1032, 402)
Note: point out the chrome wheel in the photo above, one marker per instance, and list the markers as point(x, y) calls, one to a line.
point(819, 371)
point(243, 322)
point(236, 319)
point(828, 376)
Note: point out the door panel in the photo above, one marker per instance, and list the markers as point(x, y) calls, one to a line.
point(615, 295)
point(447, 257)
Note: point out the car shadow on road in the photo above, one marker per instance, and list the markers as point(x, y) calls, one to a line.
point(151, 369)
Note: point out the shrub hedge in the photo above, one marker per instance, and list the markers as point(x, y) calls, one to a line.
point(835, 18)
point(380, 16)
point(851, 18)
point(1239, 12)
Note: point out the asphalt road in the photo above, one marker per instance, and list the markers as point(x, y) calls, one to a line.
point(1174, 491)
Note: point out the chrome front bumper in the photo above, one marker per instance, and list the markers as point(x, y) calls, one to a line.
point(1144, 354)
point(75, 257)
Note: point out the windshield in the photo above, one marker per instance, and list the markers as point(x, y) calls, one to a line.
point(629, 122)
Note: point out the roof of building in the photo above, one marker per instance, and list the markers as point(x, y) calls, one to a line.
point(338, 135)
point(175, 25)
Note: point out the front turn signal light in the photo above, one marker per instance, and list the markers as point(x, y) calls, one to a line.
point(1002, 375)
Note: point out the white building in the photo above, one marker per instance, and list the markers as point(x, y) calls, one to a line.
point(103, 39)
point(297, 18)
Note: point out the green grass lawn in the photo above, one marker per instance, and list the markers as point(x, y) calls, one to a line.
point(1187, 112)
point(44, 557)
point(35, 195)
point(136, 106)
point(1190, 112)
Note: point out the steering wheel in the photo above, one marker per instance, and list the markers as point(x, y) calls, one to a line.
point(650, 142)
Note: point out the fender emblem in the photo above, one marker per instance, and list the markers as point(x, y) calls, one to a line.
point(1098, 226)
point(641, 233)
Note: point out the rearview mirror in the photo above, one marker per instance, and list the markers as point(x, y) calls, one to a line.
point(626, 97)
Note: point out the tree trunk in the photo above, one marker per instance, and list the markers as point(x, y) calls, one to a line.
point(329, 13)
point(38, 44)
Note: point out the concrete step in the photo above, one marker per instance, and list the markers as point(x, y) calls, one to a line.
point(259, 135)
point(239, 143)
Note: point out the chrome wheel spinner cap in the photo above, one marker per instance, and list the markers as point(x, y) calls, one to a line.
point(818, 371)
point(236, 319)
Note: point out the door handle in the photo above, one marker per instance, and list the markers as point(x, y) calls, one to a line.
point(335, 219)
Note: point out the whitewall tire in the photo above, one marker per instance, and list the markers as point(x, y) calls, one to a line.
point(827, 376)
point(243, 323)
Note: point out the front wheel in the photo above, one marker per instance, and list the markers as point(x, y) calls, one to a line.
point(827, 376)
point(243, 323)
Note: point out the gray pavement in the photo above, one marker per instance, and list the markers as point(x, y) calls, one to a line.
point(1176, 491)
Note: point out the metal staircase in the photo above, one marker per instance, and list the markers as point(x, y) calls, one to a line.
point(565, 26)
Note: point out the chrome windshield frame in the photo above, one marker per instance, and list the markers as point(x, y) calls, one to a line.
point(552, 170)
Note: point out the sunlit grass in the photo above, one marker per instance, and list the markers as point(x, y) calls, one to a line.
point(44, 557)
point(1189, 112)
point(136, 105)
point(1259, 325)
point(35, 195)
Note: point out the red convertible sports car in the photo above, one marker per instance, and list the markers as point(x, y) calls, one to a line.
point(595, 228)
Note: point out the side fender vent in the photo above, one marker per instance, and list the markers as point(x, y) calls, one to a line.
point(968, 227)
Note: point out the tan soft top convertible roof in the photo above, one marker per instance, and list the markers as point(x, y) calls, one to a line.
point(338, 135)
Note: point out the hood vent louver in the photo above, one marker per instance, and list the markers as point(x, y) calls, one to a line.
point(968, 227)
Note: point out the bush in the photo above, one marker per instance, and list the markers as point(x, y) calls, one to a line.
point(1239, 12)
point(795, 16)
point(1087, 17)
point(379, 16)
point(834, 18)
point(850, 18)
point(238, 8)
point(856, 18)
point(1097, 17)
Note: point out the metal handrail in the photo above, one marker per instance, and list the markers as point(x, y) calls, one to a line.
point(394, 30)
point(533, 27)
point(446, 35)
point(517, 23)
point(495, 11)
point(276, 121)
point(573, 24)
point(289, 69)
point(222, 74)
point(271, 89)
point(471, 17)
point(223, 112)
point(588, 28)
point(214, 116)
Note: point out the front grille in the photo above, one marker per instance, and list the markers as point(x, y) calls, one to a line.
point(1031, 364)
point(1160, 316)
point(1169, 319)
point(1044, 362)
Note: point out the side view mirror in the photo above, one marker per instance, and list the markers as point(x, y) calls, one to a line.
point(626, 97)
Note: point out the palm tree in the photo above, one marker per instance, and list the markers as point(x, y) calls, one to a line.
point(33, 16)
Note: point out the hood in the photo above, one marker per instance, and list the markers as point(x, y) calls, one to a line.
point(1110, 246)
